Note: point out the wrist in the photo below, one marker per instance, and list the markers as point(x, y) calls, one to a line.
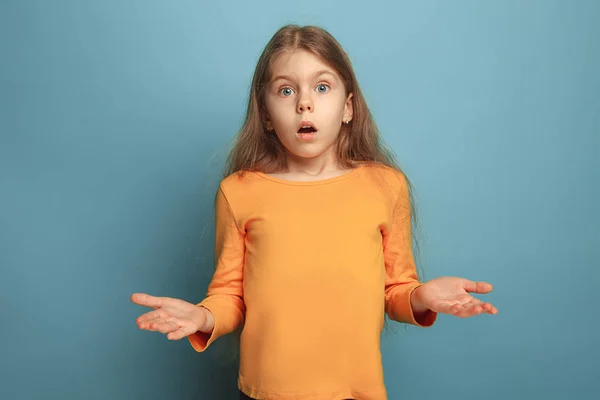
point(206, 321)
point(416, 303)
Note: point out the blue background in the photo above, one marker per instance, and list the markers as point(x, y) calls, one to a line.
point(115, 118)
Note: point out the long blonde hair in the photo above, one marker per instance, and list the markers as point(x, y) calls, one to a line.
point(256, 149)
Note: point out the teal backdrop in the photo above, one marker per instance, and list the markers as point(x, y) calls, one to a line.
point(115, 119)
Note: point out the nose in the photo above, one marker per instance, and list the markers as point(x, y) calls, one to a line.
point(305, 104)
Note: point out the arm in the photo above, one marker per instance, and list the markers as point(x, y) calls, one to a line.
point(401, 285)
point(224, 301)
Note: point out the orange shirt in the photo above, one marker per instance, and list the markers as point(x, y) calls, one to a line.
point(308, 269)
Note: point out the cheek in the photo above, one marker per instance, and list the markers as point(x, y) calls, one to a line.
point(332, 104)
point(279, 111)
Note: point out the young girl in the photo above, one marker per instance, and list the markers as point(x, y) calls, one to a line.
point(313, 237)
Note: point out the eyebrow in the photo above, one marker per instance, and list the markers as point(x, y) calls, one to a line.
point(290, 78)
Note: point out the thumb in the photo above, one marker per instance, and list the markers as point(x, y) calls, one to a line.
point(477, 287)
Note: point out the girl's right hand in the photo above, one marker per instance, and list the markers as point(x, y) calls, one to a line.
point(176, 318)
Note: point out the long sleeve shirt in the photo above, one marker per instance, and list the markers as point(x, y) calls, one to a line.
point(308, 269)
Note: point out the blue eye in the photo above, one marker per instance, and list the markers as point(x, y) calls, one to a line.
point(286, 91)
point(322, 88)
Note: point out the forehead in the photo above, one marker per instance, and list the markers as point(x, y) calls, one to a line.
point(299, 63)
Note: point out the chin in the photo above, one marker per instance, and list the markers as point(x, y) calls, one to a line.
point(307, 154)
point(307, 149)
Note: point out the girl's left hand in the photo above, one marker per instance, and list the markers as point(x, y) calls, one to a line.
point(450, 295)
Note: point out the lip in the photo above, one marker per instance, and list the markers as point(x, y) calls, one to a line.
point(306, 137)
point(306, 123)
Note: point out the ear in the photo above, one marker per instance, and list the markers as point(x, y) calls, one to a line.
point(348, 109)
point(267, 122)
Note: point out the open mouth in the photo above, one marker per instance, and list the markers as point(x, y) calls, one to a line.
point(307, 130)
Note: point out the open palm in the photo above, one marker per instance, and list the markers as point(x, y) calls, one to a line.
point(451, 295)
point(177, 318)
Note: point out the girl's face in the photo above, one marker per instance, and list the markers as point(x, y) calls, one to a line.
point(305, 91)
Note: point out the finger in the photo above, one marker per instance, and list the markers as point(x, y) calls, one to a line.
point(146, 324)
point(475, 302)
point(487, 308)
point(163, 326)
point(154, 322)
point(146, 300)
point(182, 332)
point(490, 309)
point(447, 307)
point(151, 315)
point(476, 309)
point(469, 310)
point(472, 307)
point(477, 287)
point(457, 308)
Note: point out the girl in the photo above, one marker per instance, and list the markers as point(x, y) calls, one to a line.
point(313, 237)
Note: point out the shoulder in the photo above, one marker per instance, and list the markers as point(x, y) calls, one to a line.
point(391, 176)
point(238, 184)
point(237, 178)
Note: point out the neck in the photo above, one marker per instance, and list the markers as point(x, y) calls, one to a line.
point(313, 166)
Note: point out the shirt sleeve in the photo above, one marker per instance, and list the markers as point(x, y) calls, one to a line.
point(401, 273)
point(224, 298)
